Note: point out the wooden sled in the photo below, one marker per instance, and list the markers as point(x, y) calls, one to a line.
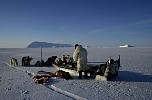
point(97, 70)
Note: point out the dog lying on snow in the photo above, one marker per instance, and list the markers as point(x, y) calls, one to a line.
point(13, 62)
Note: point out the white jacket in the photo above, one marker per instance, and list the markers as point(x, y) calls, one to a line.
point(80, 56)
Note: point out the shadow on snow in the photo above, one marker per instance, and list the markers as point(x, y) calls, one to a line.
point(128, 76)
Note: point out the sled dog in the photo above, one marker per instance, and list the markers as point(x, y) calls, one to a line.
point(13, 62)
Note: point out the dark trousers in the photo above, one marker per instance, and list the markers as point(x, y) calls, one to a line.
point(80, 74)
point(85, 74)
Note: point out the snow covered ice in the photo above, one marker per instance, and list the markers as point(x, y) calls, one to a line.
point(134, 81)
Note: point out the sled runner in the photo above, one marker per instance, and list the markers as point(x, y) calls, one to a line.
point(97, 70)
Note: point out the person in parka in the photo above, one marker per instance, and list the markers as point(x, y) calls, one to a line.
point(80, 56)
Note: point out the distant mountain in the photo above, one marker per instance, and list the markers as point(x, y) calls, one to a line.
point(47, 45)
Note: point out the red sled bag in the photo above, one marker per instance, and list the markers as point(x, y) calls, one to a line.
point(63, 74)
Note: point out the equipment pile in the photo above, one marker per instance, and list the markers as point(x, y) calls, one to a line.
point(43, 79)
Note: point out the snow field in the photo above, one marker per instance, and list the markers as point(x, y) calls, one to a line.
point(134, 81)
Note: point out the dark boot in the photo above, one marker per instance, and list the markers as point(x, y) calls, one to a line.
point(80, 75)
point(86, 74)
